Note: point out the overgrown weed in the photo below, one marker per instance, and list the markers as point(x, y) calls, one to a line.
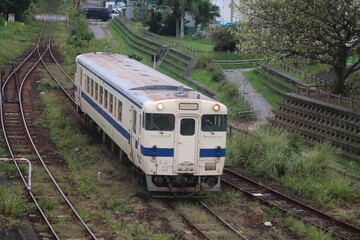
point(274, 153)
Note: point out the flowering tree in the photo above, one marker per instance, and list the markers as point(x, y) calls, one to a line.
point(324, 31)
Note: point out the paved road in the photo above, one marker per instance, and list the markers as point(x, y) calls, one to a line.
point(99, 28)
point(258, 101)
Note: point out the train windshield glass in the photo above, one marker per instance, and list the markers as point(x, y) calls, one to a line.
point(213, 123)
point(159, 122)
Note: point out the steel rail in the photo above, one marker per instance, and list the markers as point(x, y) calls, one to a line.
point(40, 158)
point(320, 214)
point(32, 143)
point(18, 168)
point(189, 223)
point(52, 75)
point(223, 221)
point(53, 57)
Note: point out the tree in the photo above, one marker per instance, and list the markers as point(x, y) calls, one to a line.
point(178, 7)
point(203, 11)
point(324, 31)
point(18, 7)
point(153, 20)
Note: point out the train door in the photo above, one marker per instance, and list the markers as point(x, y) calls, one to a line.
point(186, 149)
point(79, 84)
point(134, 138)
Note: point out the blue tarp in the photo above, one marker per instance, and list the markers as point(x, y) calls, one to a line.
point(227, 24)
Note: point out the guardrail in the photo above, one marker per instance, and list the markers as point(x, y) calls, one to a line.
point(239, 62)
point(306, 76)
point(329, 97)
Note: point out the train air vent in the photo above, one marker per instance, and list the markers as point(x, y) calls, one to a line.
point(180, 92)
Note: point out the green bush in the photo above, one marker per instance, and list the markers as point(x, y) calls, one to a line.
point(231, 90)
point(80, 35)
point(204, 61)
point(224, 38)
point(218, 76)
point(136, 57)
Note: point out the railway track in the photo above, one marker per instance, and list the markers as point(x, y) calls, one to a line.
point(215, 227)
point(308, 214)
point(17, 112)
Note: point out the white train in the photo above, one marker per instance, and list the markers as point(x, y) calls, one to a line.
point(175, 136)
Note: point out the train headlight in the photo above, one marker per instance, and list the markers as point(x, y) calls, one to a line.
point(160, 106)
point(216, 107)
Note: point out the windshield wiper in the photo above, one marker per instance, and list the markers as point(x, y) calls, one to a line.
point(157, 128)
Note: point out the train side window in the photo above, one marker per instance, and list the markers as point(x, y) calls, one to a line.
point(105, 98)
point(111, 103)
point(213, 123)
point(87, 87)
point(92, 87)
point(101, 95)
point(159, 122)
point(96, 91)
point(119, 111)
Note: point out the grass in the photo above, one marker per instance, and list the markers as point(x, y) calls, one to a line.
point(12, 207)
point(83, 166)
point(203, 44)
point(303, 230)
point(15, 38)
point(309, 69)
point(273, 153)
point(257, 82)
point(277, 79)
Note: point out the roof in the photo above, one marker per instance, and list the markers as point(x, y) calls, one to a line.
point(135, 79)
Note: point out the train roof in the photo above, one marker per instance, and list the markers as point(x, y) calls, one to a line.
point(135, 79)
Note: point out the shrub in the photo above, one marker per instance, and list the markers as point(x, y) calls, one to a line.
point(218, 76)
point(224, 38)
point(205, 61)
point(80, 34)
point(231, 90)
point(136, 57)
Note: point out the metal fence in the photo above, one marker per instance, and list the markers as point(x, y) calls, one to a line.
point(314, 91)
point(306, 76)
point(239, 62)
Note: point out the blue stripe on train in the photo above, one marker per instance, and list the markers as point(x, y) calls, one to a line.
point(105, 115)
point(169, 152)
point(212, 152)
point(158, 152)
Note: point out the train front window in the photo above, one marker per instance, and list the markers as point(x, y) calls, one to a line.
point(159, 122)
point(213, 123)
